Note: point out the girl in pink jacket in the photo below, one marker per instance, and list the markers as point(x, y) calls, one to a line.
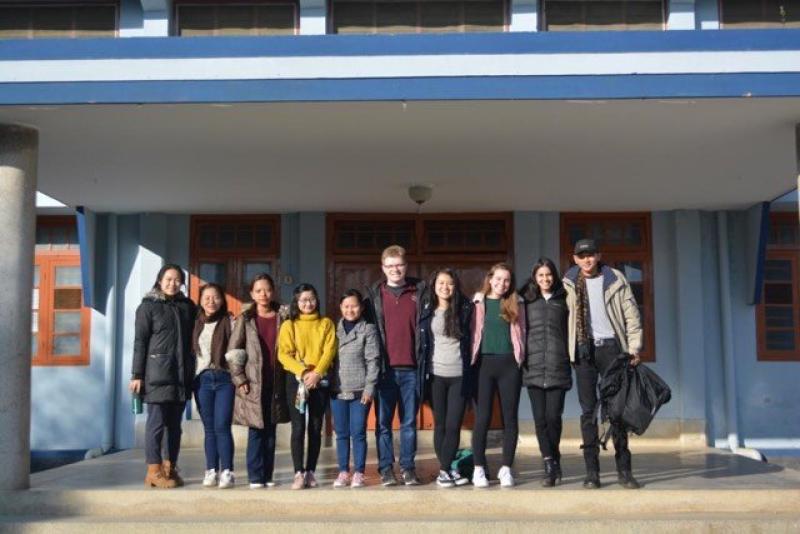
point(498, 352)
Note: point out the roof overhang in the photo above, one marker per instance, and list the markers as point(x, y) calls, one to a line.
point(362, 156)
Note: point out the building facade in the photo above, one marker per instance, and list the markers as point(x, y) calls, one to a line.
point(238, 137)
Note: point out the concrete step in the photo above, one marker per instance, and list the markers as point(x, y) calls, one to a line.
point(633, 524)
point(684, 491)
point(395, 504)
point(662, 433)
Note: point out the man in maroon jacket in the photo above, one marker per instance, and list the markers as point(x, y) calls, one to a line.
point(394, 305)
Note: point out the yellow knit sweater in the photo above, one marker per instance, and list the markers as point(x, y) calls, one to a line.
point(308, 341)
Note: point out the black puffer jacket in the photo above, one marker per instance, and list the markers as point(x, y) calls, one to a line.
point(546, 355)
point(162, 348)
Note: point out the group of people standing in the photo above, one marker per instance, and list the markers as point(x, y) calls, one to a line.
point(403, 342)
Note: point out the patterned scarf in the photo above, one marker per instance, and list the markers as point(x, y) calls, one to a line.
point(582, 317)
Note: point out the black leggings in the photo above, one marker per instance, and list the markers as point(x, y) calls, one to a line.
point(547, 406)
point(497, 372)
point(448, 414)
point(316, 405)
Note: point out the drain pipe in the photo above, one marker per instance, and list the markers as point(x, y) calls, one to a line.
point(111, 338)
point(729, 359)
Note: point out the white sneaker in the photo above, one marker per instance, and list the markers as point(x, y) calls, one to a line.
point(210, 478)
point(505, 476)
point(226, 479)
point(479, 478)
point(256, 485)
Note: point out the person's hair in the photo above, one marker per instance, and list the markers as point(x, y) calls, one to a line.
point(452, 323)
point(274, 305)
point(352, 293)
point(393, 251)
point(163, 271)
point(223, 309)
point(294, 307)
point(509, 307)
point(544, 262)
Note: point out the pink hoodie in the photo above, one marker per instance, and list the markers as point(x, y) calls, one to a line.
point(517, 328)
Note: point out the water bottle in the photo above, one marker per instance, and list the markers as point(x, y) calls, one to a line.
point(136, 404)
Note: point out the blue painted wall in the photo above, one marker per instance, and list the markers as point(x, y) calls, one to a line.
point(69, 403)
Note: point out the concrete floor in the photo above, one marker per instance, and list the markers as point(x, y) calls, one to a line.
point(657, 468)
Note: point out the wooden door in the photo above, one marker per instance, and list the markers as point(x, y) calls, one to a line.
point(467, 243)
point(230, 251)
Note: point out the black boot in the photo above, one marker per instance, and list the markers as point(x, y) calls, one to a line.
point(592, 480)
point(549, 479)
point(627, 481)
point(557, 465)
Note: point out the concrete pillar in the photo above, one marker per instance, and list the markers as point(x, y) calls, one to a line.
point(313, 17)
point(681, 15)
point(524, 16)
point(18, 154)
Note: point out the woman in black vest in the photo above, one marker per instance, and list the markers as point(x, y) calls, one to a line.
point(546, 371)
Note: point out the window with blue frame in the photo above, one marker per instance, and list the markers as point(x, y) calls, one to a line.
point(414, 16)
point(58, 20)
point(601, 15)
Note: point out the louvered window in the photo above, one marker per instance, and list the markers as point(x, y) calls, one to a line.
point(398, 16)
point(57, 20)
point(598, 15)
point(263, 18)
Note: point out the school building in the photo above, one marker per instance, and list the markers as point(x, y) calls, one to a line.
point(234, 137)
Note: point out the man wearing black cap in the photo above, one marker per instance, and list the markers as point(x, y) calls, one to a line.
point(604, 322)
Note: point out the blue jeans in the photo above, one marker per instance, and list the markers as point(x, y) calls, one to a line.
point(397, 389)
point(261, 446)
point(350, 421)
point(213, 391)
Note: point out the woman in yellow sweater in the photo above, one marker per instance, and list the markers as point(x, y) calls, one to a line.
point(306, 348)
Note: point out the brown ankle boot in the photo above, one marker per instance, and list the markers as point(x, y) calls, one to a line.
point(171, 472)
point(155, 478)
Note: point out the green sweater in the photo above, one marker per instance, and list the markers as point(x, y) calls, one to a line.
point(496, 337)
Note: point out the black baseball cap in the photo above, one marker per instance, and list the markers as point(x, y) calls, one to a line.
point(585, 246)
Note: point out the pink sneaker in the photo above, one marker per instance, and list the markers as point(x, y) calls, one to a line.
point(358, 480)
point(299, 481)
point(342, 481)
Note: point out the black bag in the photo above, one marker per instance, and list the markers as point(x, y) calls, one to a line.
point(631, 396)
point(647, 392)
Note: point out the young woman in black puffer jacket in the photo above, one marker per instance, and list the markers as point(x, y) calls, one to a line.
point(546, 371)
point(163, 370)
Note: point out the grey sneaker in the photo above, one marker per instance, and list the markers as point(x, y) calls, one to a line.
point(388, 478)
point(410, 478)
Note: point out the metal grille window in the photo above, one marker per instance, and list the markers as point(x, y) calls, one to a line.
point(57, 20)
point(409, 16)
point(594, 15)
point(465, 236)
point(760, 13)
point(208, 19)
point(625, 244)
point(370, 237)
point(778, 313)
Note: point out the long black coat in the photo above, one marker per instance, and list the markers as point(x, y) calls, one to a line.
point(546, 354)
point(162, 348)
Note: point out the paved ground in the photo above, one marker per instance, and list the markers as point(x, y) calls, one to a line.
point(656, 468)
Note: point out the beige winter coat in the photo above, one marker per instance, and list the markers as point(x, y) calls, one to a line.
point(246, 362)
point(620, 307)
